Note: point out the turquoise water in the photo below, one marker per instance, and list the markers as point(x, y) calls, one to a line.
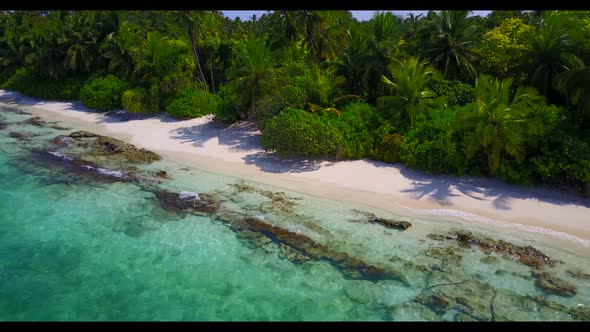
point(74, 247)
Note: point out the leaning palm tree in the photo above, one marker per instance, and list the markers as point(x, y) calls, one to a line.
point(410, 81)
point(254, 78)
point(501, 123)
point(192, 21)
point(451, 48)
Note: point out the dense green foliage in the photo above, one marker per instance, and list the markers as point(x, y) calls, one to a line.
point(134, 100)
point(505, 95)
point(25, 81)
point(296, 132)
point(103, 93)
point(193, 102)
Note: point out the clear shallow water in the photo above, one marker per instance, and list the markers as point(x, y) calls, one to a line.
point(94, 250)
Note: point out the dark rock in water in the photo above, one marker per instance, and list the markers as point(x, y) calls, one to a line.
point(162, 174)
point(527, 255)
point(448, 255)
point(388, 223)
point(63, 140)
point(578, 274)
point(291, 254)
point(243, 187)
point(58, 127)
point(108, 146)
point(548, 303)
point(434, 302)
point(104, 146)
point(580, 313)
point(489, 260)
point(83, 134)
point(553, 285)
point(501, 272)
point(401, 225)
point(3, 125)
point(35, 121)
point(22, 135)
point(461, 317)
point(189, 202)
point(437, 237)
point(350, 267)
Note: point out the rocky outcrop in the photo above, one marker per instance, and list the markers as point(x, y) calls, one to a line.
point(185, 202)
point(526, 255)
point(578, 274)
point(162, 174)
point(22, 135)
point(35, 121)
point(83, 134)
point(553, 285)
point(388, 223)
point(446, 254)
point(580, 313)
point(108, 146)
point(58, 127)
point(300, 248)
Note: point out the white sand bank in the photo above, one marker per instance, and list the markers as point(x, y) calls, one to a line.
point(236, 151)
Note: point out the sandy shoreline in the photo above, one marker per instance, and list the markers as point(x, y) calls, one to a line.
point(235, 151)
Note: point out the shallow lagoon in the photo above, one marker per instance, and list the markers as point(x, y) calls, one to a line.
point(74, 248)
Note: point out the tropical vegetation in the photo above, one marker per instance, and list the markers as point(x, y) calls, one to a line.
point(506, 95)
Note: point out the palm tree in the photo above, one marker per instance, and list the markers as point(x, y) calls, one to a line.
point(13, 47)
point(451, 48)
point(254, 78)
point(354, 61)
point(192, 21)
point(552, 52)
point(154, 57)
point(501, 123)
point(411, 78)
point(116, 49)
point(80, 37)
point(574, 84)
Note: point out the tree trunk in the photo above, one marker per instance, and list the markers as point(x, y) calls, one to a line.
point(212, 78)
point(194, 44)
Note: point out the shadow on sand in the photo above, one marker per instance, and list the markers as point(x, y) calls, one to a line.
point(244, 137)
point(439, 188)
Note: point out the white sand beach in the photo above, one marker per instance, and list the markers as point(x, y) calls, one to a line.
point(235, 151)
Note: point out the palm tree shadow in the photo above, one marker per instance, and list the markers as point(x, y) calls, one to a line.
point(270, 162)
point(439, 188)
point(242, 136)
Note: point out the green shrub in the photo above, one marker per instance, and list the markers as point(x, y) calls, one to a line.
point(563, 160)
point(354, 124)
point(135, 100)
point(387, 144)
point(193, 102)
point(226, 111)
point(455, 92)
point(30, 84)
point(514, 172)
point(103, 93)
point(431, 144)
point(296, 132)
